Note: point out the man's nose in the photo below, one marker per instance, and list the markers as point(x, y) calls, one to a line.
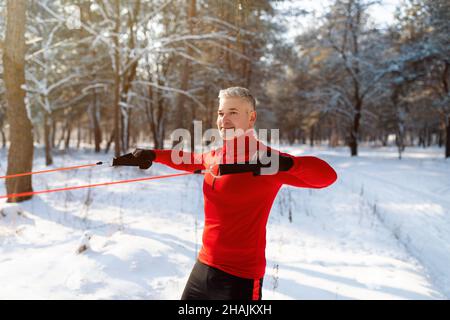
point(225, 117)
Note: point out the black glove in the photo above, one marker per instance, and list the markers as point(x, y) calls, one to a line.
point(139, 158)
point(284, 164)
point(144, 154)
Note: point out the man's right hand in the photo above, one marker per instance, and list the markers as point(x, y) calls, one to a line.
point(144, 154)
point(139, 158)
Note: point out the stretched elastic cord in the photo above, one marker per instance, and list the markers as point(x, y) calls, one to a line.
point(50, 170)
point(24, 194)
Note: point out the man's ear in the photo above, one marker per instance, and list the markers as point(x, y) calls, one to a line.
point(253, 117)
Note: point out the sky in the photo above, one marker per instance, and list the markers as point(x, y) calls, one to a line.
point(382, 13)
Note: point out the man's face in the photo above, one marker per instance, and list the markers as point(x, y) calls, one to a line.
point(234, 117)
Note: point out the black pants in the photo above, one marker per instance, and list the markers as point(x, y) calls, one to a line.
point(209, 283)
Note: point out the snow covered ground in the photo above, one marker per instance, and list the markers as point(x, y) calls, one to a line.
point(382, 231)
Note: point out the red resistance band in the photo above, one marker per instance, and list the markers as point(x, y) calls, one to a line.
point(50, 170)
point(29, 193)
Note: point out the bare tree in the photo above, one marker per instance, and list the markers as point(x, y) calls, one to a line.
point(20, 154)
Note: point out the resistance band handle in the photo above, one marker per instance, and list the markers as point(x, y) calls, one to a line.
point(233, 168)
point(284, 164)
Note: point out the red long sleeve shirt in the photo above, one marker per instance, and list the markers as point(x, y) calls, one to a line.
point(237, 206)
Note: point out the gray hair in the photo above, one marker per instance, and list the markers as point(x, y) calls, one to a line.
point(238, 92)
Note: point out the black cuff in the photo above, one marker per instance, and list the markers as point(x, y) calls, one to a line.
point(286, 163)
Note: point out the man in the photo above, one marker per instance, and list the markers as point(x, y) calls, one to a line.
point(237, 200)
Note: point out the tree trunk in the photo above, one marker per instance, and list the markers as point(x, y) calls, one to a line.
point(2, 124)
point(129, 76)
point(447, 142)
point(86, 17)
point(334, 136)
point(445, 87)
point(53, 134)
point(421, 138)
point(68, 133)
point(440, 141)
point(20, 154)
point(441, 135)
point(96, 122)
point(400, 136)
point(155, 119)
point(128, 132)
point(180, 109)
point(78, 134)
point(353, 143)
point(117, 81)
point(47, 142)
point(111, 139)
point(150, 120)
point(3, 138)
point(429, 137)
point(61, 137)
point(311, 136)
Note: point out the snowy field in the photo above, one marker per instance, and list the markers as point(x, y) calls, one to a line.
point(382, 231)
